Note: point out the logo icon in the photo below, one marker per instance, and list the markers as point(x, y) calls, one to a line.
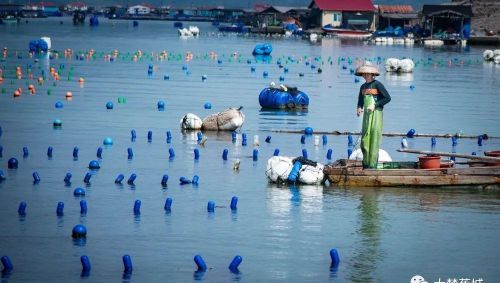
point(418, 279)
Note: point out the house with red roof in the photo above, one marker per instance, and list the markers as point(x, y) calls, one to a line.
point(48, 8)
point(351, 14)
point(396, 16)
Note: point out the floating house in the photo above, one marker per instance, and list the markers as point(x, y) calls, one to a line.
point(449, 23)
point(222, 14)
point(353, 14)
point(10, 10)
point(76, 6)
point(139, 10)
point(396, 16)
point(276, 15)
point(48, 9)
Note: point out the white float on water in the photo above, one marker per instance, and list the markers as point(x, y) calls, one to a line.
point(433, 42)
point(492, 55)
point(383, 156)
point(279, 167)
point(191, 122)
point(48, 41)
point(402, 66)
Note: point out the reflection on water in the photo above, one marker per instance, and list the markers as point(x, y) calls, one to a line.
point(367, 253)
point(399, 77)
point(263, 58)
point(281, 118)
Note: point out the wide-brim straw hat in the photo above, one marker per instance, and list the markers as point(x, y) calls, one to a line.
point(367, 68)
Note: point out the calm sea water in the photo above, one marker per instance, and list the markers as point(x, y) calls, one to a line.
point(282, 233)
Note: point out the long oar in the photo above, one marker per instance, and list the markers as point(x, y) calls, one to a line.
point(483, 158)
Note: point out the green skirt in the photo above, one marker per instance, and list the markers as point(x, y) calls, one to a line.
point(371, 133)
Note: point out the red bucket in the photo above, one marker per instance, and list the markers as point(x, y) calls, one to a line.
point(493, 153)
point(429, 161)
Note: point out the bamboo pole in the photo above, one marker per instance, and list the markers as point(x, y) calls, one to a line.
point(338, 133)
point(467, 156)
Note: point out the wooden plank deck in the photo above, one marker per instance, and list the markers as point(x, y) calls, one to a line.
point(358, 177)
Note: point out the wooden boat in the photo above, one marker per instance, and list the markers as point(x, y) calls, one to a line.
point(406, 174)
point(346, 33)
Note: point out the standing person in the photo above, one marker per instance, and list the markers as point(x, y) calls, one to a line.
point(371, 100)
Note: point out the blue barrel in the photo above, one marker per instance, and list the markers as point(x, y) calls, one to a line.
point(211, 206)
point(168, 204)
point(21, 210)
point(36, 177)
point(131, 179)
point(60, 208)
point(67, 178)
point(262, 49)
point(200, 263)
point(292, 177)
point(127, 264)
point(119, 179)
point(334, 255)
point(137, 207)
point(83, 207)
point(233, 266)
point(87, 177)
point(279, 99)
point(234, 203)
point(7, 264)
point(164, 180)
point(85, 263)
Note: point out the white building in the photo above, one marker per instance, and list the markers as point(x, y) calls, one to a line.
point(138, 10)
point(76, 6)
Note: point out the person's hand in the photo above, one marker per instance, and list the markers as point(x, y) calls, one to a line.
point(371, 107)
point(359, 110)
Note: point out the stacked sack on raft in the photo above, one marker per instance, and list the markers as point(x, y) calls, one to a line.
point(490, 55)
point(281, 169)
point(399, 66)
point(43, 44)
point(262, 49)
point(284, 97)
point(227, 120)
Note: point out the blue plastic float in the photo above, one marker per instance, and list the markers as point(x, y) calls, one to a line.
point(278, 98)
point(262, 49)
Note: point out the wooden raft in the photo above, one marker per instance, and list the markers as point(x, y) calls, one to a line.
point(356, 176)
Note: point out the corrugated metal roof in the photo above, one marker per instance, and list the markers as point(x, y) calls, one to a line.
point(402, 9)
point(432, 10)
point(343, 5)
point(282, 9)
